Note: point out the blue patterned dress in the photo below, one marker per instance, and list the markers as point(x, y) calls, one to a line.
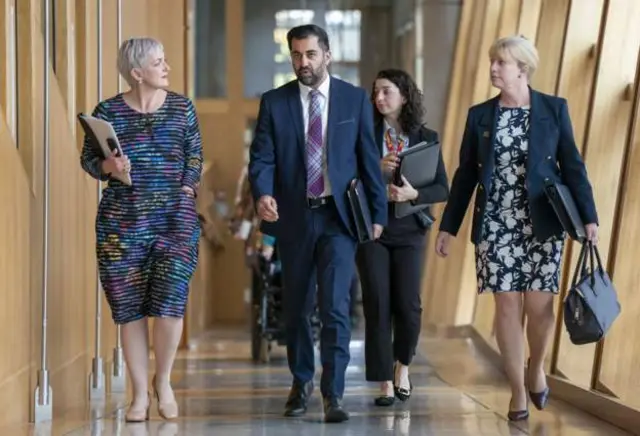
point(509, 258)
point(147, 234)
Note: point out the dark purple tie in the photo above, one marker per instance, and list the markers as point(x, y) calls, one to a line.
point(315, 181)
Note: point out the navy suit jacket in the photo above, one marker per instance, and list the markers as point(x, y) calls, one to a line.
point(277, 160)
point(553, 157)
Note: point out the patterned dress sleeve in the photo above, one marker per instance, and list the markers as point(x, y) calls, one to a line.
point(90, 160)
point(192, 150)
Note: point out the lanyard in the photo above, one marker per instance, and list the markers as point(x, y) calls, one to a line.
point(390, 145)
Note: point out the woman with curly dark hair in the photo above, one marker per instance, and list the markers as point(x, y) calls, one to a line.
point(391, 268)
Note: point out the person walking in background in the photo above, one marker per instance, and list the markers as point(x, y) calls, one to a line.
point(147, 233)
point(513, 145)
point(314, 135)
point(391, 268)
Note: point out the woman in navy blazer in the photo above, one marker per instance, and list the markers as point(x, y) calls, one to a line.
point(391, 268)
point(512, 146)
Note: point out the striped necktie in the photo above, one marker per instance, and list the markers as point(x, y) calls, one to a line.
point(315, 181)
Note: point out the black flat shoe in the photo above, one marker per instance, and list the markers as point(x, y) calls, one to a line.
point(540, 399)
point(384, 401)
point(403, 394)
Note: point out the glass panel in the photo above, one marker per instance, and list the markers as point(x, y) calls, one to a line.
point(347, 72)
point(267, 63)
point(343, 28)
point(266, 52)
point(210, 47)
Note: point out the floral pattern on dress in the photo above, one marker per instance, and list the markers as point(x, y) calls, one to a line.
point(509, 258)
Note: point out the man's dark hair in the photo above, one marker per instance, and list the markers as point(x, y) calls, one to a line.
point(307, 30)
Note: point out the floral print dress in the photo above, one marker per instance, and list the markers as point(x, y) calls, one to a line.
point(509, 258)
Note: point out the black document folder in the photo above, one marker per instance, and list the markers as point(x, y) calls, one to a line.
point(418, 164)
point(566, 210)
point(360, 211)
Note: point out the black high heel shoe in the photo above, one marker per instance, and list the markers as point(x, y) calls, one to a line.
point(518, 415)
point(539, 399)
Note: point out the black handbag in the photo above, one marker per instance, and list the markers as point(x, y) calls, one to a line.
point(591, 306)
point(565, 208)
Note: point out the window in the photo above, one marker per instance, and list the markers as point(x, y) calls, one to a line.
point(210, 48)
point(285, 20)
point(343, 28)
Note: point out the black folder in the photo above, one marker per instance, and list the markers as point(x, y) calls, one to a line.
point(419, 165)
point(360, 212)
point(566, 210)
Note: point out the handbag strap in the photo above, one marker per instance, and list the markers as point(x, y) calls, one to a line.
point(581, 266)
point(591, 264)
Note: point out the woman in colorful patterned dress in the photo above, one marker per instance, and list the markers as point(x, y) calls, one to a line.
point(513, 145)
point(147, 233)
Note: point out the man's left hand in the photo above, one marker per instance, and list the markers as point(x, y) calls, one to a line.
point(377, 231)
point(406, 192)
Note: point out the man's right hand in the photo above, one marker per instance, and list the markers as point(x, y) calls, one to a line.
point(268, 209)
point(115, 164)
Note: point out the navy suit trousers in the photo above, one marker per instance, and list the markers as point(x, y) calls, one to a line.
point(324, 255)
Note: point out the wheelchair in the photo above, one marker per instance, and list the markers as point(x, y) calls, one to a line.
point(267, 320)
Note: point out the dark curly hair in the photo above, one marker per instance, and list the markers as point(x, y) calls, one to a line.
point(413, 111)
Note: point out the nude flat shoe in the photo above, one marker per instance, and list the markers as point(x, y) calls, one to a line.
point(138, 415)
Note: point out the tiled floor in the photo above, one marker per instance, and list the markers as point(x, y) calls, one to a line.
point(222, 393)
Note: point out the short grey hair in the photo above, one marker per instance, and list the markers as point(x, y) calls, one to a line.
point(134, 53)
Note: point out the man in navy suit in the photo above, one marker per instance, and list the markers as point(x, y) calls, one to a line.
point(313, 136)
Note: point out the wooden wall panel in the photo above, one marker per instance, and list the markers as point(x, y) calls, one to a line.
point(605, 146)
point(15, 254)
point(442, 279)
point(621, 351)
point(576, 83)
point(551, 29)
point(529, 18)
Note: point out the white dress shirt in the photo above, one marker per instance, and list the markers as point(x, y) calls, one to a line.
point(305, 97)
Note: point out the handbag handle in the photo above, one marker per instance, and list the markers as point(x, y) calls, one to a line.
point(581, 266)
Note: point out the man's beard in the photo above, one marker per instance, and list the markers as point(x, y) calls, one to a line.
point(310, 79)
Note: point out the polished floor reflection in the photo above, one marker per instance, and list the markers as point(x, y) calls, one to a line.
point(221, 393)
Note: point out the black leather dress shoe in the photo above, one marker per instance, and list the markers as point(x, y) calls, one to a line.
point(333, 411)
point(298, 399)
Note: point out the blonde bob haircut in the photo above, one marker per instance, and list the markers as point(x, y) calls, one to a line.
point(520, 49)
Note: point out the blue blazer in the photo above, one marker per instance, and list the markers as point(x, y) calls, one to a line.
point(277, 157)
point(553, 157)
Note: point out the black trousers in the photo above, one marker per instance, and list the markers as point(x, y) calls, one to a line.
point(390, 276)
